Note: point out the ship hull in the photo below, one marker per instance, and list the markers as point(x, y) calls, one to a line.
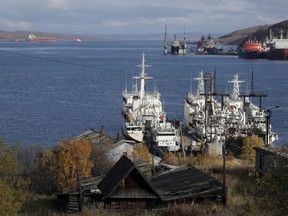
point(136, 135)
point(277, 54)
point(250, 55)
point(251, 50)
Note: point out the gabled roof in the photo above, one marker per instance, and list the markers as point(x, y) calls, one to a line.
point(95, 138)
point(118, 173)
point(185, 182)
point(103, 143)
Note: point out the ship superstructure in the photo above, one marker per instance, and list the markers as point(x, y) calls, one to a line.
point(235, 115)
point(143, 115)
point(140, 108)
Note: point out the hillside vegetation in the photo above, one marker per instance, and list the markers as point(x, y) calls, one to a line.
point(259, 33)
point(22, 36)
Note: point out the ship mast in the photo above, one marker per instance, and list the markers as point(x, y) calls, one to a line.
point(184, 38)
point(165, 41)
point(142, 76)
point(252, 93)
point(200, 88)
point(236, 87)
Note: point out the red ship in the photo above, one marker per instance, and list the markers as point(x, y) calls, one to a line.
point(277, 54)
point(33, 38)
point(251, 50)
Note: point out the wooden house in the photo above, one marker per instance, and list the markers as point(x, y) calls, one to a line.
point(125, 187)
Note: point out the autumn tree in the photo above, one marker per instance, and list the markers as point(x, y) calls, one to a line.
point(13, 187)
point(28, 156)
point(247, 150)
point(100, 160)
point(67, 162)
point(176, 159)
point(170, 158)
point(141, 152)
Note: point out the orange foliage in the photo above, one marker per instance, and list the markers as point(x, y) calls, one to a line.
point(68, 161)
point(141, 152)
point(174, 159)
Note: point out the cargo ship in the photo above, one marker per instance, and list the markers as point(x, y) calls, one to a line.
point(251, 50)
point(177, 48)
point(278, 49)
point(32, 38)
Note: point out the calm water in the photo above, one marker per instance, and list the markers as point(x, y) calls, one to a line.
point(53, 91)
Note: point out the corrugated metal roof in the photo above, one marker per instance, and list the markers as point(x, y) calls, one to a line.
point(185, 182)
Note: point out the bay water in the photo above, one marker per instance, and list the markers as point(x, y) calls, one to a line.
point(53, 91)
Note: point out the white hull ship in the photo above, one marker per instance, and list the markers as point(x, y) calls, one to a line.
point(166, 136)
point(235, 116)
point(144, 118)
point(140, 108)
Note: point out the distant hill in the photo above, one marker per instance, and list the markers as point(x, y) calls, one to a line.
point(234, 38)
point(259, 33)
point(274, 30)
point(22, 36)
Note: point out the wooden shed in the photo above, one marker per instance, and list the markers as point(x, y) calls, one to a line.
point(125, 187)
point(263, 152)
point(186, 184)
point(86, 194)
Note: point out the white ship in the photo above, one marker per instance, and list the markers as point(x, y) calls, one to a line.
point(198, 109)
point(166, 136)
point(236, 115)
point(144, 118)
point(141, 109)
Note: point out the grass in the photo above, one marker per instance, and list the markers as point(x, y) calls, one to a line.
point(45, 205)
point(240, 199)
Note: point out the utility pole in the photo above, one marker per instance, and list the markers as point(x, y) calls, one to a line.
point(268, 116)
point(224, 192)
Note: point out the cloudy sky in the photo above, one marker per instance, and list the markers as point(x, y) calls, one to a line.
point(138, 16)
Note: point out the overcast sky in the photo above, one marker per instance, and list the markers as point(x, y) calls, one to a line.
point(139, 16)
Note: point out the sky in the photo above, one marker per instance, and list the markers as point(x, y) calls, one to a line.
point(91, 17)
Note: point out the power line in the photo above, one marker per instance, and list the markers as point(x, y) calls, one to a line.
point(60, 61)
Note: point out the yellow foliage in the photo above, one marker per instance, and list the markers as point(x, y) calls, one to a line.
point(174, 159)
point(171, 159)
point(249, 142)
point(141, 152)
point(68, 161)
point(7, 201)
point(13, 187)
